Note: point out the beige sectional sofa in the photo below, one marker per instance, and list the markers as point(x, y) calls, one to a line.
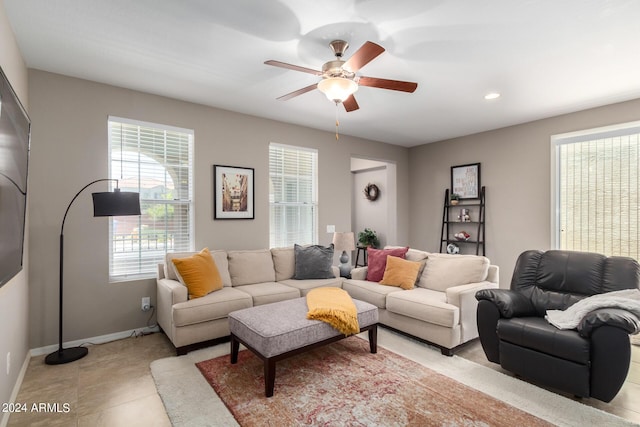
point(249, 278)
point(441, 309)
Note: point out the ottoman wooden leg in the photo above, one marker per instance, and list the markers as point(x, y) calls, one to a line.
point(373, 339)
point(235, 347)
point(269, 376)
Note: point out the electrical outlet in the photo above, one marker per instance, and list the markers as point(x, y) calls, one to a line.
point(8, 362)
point(331, 228)
point(146, 303)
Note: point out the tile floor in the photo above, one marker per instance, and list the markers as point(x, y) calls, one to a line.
point(113, 386)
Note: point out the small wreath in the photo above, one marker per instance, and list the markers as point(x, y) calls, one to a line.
point(371, 192)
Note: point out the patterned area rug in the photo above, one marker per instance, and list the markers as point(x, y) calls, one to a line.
point(343, 384)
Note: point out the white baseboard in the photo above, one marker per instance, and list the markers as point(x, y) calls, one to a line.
point(94, 340)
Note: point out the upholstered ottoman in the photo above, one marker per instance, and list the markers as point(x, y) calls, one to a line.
point(280, 330)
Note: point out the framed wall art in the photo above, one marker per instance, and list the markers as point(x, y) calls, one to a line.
point(233, 192)
point(465, 180)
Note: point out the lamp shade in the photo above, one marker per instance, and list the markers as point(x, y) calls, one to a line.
point(344, 241)
point(337, 89)
point(116, 203)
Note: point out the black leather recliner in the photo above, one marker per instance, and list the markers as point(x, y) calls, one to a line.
point(591, 361)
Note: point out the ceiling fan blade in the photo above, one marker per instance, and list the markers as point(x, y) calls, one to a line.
point(388, 84)
point(367, 53)
point(350, 104)
point(293, 67)
point(297, 92)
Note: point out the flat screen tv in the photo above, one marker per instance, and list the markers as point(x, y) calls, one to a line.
point(14, 159)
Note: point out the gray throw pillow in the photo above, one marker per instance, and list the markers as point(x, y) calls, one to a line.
point(313, 262)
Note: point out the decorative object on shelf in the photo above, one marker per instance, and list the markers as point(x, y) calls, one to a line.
point(462, 236)
point(453, 249)
point(465, 181)
point(455, 198)
point(233, 192)
point(371, 192)
point(368, 237)
point(116, 203)
point(345, 242)
point(464, 215)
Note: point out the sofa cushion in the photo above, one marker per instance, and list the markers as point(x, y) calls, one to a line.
point(400, 272)
point(426, 305)
point(536, 333)
point(371, 292)
point(304, 286)
point(214, 306)
point(268, 292)
point(249, 267)
point(313, 262)
point(219, 257)
point(377, 261)
point(443, 271)
point(198, 273)
point(284, 262)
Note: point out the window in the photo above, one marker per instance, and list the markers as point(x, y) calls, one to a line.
point(597, 185)
point(157, 162)
point(293, 203)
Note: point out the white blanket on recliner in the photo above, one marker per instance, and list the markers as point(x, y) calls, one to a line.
point(627, 299)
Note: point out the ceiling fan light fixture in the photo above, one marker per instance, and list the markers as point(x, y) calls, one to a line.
point(337, 89)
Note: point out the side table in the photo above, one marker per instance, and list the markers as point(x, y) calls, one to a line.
point(364, 250)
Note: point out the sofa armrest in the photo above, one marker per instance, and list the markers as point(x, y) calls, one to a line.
point(509, 303)
point(176, 291)
point(608, 317)
point(461, 295)
point(493, 275)
point(464, 297)
point(169, 293)
point(359, 273)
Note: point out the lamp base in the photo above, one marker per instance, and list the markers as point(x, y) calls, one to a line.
point(345, 266)
point(66, 355)
point(345, 270)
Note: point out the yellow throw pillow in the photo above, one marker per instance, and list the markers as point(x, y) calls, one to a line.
point(199, 273)
point(400, 272)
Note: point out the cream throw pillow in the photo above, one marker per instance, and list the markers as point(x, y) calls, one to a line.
point(252, 266)
point(284, 263)
point(443, 271)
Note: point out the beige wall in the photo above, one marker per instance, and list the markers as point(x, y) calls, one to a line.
point(69, 149)
point(14, 294)
point(516, 171)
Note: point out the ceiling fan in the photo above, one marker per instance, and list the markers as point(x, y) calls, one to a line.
point(339, 79)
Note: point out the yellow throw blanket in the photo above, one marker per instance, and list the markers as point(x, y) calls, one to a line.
point(335, 307)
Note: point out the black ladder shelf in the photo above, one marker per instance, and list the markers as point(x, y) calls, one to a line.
point(452, 226)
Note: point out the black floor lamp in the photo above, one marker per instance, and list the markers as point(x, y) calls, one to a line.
point(116, 203)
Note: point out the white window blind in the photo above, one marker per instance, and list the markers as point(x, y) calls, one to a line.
point(597, 191)
point(293, 204)
point(156, 161)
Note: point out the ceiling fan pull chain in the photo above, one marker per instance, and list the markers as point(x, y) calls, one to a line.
point(337, 122)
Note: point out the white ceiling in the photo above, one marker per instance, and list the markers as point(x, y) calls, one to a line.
point(545, 57)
